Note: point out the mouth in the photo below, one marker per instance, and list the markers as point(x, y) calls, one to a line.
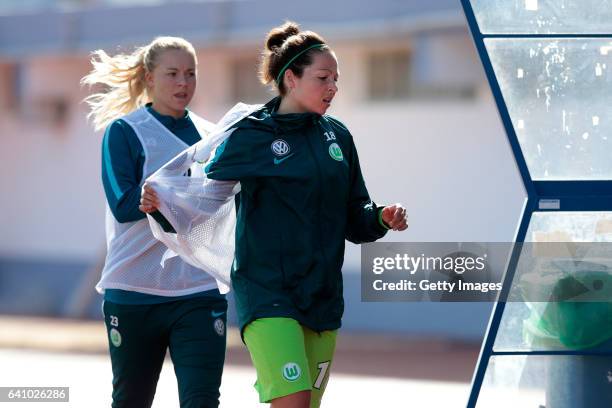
point(181, 95)
point(327, 101)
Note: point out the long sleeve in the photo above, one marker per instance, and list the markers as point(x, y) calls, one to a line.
point(232, 161)
point(122, 163)
point(363, 214)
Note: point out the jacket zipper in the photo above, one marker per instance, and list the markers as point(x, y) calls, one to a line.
point(320, 209)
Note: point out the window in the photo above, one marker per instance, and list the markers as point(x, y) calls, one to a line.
point(437, 66)
point(11, 88)
point(389, 75)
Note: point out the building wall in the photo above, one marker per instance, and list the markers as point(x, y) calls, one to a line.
point(443, 158)
point(446, 159)
point(50, 168)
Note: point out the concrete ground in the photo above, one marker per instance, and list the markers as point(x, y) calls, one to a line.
point(369, 371)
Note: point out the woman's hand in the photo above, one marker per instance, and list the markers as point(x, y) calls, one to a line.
point(149, 202)
point(395, 217)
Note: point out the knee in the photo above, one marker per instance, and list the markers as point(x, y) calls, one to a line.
point(299, 399)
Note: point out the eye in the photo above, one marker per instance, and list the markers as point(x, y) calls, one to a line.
point(172, 74)
point(323, 78)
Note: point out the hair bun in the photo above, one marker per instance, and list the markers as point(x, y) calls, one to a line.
point(278, 35)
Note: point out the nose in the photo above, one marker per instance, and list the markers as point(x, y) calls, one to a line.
point(333, 87)
point(181, 79)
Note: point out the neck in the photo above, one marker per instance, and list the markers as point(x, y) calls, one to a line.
point(288, 105)
point(167, 111)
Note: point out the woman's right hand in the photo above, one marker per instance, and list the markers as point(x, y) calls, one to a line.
point(149, 201)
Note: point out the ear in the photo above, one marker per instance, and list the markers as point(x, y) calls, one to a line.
point(148, 79)
point(290, 79)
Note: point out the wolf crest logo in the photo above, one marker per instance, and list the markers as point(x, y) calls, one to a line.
point(291, 371)
point(115, 337)
point(335, 152)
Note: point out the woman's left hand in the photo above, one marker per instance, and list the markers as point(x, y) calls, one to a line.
point(395, 217)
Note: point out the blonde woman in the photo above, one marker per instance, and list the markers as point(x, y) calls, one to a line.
point(149, 308)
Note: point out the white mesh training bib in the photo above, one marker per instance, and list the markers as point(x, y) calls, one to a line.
point(134, 256)
point(200, 209)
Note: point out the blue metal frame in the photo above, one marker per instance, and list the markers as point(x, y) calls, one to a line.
point(555, 353)
point(499, 99)
point(548, 35)
point(486, 350)
point(587, 195)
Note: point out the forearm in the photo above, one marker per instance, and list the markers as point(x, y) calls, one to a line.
point(121, 172)
point(364, 224)
point(126, 208)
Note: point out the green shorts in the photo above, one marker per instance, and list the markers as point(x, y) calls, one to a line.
point(289, 358)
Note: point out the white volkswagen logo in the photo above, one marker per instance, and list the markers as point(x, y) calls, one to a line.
point(219, 327)
point(280, 147)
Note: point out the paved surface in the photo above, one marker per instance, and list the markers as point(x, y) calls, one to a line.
point(89, 379)
point(357, 354)
point(369, 371)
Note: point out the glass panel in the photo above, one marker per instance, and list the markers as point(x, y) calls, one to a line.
point(510, 335)
point(558, 95)
point(593, 226)
point(543, 16)
point(552, 326)
point(513, 381)
point(547, 381)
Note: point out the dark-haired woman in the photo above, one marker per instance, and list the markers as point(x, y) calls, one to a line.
point(302, 194)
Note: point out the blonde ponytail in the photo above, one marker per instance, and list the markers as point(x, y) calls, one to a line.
point(123, 79)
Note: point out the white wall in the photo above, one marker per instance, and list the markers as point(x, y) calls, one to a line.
point(52, 198)
point(449, 163)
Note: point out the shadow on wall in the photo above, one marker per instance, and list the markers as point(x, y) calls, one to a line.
point(38, 288)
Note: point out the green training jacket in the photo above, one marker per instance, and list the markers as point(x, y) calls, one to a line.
point(302, 195)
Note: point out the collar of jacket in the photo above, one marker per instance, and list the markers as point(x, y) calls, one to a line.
point(289, 121)
point(169, 121)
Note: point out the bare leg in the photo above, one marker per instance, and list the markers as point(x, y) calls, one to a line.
point(296, 400)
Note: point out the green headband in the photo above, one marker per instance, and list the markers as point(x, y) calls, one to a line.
point(282, 71)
